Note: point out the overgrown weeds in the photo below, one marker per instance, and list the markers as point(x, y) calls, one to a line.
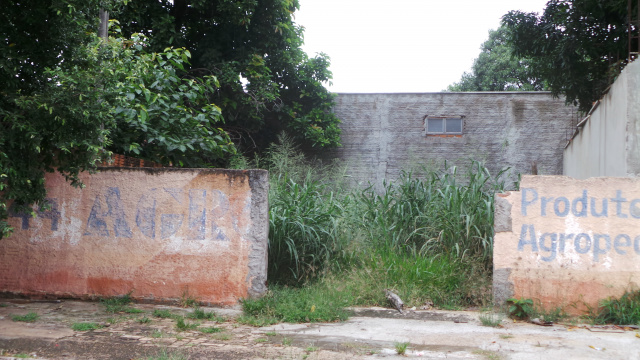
point(622, 311)
point(200, 314)
point(163, 314)
point(120, 304)
point(428, 236)
point(307, 304)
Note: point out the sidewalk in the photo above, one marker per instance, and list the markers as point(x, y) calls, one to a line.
point(369, 334)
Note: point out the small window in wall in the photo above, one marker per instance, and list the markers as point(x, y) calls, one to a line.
point(444, 125)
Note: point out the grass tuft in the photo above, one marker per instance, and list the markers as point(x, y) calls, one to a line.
point(401, 347)
point(210, 330)
point(163, 354)
point(203, 315)
point(29, 317)
point(163, 314)
point(119, 304)
point(490, 319)
point(307, 304)
point(85, 326)
point(622, 311)
point(182, 325)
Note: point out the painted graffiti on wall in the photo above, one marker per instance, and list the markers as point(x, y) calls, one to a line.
point(597, 244)
point(108, 216)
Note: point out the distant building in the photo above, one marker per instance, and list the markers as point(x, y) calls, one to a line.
point(384, 134)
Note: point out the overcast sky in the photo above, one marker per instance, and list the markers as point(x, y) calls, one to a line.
point(401, 45)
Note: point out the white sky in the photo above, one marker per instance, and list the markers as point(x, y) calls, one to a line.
point(401, 45)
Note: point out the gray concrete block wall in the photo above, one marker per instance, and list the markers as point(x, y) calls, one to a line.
point(383, 134)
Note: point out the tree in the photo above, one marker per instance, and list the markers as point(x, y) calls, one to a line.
point(69, 99)
point(497, 69)
point(576, 46)
point(267, 83)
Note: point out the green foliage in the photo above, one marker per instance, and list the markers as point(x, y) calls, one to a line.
point(69, 99)
point(29, 317)
point(490, 319)
point(119, 304)
point(401, 347)
point(301, 226)
point(427, 236)
point(520, 308)
point(307, 304)
point(303, 213)
point(163, 354)
point(622, 311)
point(267, 83)
point(446, 282)
point(497, 69)
point(182, 325)
point(439, 215)
point(202, 315)
point(85, 326)
point(577, 47)
point(163, 314)
point(210, 330)
point(144, 320)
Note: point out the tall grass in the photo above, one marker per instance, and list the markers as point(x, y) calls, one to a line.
point(429, 237)
point(438, 215)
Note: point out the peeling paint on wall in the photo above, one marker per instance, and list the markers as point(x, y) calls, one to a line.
point(155, 232)
point(571, 243)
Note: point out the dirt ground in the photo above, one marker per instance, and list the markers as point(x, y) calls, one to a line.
point(371, 333)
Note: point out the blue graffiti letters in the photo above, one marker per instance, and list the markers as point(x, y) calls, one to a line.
point(96, 223)
point(580, 206)
point(146, 215)
point(193, 214)
point(50, 211)
point(197, 214)
point(599, 245)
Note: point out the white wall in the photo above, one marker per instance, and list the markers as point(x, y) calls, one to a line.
point(608, 142)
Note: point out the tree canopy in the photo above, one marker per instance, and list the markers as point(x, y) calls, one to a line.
point(174, 80)
point(577, 47)
point(497, 69)
point(267, 83)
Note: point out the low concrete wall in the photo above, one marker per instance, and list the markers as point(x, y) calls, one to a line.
point(565, 242)
point(156, 232)
point(607, 142)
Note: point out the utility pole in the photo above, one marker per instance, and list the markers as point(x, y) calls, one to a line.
point(104, 24)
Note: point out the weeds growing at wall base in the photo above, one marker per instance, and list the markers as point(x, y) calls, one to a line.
point(622, 311)
point(428, 237)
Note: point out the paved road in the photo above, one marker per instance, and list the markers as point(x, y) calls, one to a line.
point(370, 334)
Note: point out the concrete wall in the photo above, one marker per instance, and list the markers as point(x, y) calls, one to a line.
point(156, 232)
point(567, 243)
point(383, 134)
point(608, 140)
